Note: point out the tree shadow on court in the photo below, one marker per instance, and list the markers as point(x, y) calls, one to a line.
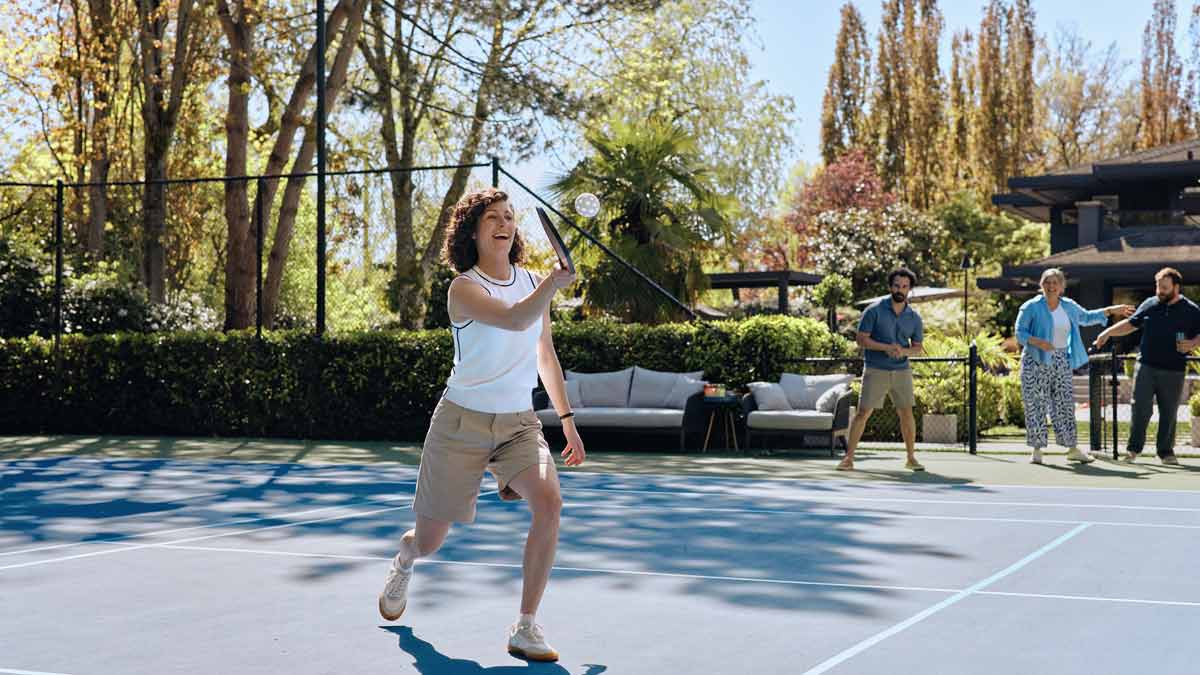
point(429, 661)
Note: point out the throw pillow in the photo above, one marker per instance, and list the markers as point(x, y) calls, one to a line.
point(651, 388)
point(769, 396)
point(609, 390)
point(683, 389)
point(828, 401)
point(804, 390)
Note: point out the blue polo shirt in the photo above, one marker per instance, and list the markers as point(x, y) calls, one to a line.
point(1160, 323)
point(887, 327)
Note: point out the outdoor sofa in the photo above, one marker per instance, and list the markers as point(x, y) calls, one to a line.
point(799, 405)
point(635, 399)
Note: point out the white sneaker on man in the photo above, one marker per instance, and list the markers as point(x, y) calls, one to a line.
point(1036, 457)
point(526, 640)
point(1129, 457)
point(1077, 455)
point(394, 597)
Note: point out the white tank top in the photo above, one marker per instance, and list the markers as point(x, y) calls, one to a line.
point(495, 370)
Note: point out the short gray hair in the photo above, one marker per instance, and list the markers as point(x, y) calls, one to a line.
point(1053, 272)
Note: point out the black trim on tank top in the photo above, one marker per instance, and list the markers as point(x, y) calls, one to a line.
point(512, 274)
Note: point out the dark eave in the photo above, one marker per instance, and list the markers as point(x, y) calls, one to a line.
point(769, 279)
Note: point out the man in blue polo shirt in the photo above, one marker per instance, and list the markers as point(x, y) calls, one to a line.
point(889, 332)
point(1170, 324)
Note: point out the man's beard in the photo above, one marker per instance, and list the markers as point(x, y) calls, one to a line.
point(899, 297)
point(1166, 297)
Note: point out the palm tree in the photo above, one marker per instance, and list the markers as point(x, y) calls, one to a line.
point(659, 212)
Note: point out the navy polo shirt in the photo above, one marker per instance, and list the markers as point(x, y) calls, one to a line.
point(1160, 323)
point(887, 327)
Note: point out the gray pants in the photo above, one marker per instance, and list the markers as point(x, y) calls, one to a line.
point(1151, 383)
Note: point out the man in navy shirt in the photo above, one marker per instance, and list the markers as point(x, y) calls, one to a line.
point(889, 332)
point(1170, 324)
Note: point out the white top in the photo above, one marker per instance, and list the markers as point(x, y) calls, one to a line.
point(1062, 328)
point(495, 369)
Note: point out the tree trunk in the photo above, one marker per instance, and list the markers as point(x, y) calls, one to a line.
point(160, 112)
point(154, 217)
point(240, 258)
point(240, 265)
point(102, 25)
point(284, 229)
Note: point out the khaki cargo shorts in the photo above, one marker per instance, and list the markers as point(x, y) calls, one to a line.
point(460, 444)
point(878, 383)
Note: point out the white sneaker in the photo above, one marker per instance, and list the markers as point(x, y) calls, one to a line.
point(1077, 455)
point(394, 597)
point(1036, 457)
point(526, 640)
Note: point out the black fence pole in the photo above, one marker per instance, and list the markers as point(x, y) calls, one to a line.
point(58, 265)
point(973, 400)
point(1095, 406)
point(258, 245)
point(495, 172)
point(321, 158)
point(1115, 391)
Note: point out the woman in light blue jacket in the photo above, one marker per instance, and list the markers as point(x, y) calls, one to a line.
point(1048, 329)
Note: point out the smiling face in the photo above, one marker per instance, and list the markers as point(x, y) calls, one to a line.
point(1052, 287)
point(496, 230)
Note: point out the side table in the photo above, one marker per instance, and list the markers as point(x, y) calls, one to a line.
point(725, 408)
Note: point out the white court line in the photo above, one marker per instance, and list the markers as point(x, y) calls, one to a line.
point(166, 471)
point(1092, 598)
point(741, 479)
point(26, 672)
point(190, 528)
point(211, 536)
point(591, 570)
point(957, 597)
point(828, 497)
point(880, 516)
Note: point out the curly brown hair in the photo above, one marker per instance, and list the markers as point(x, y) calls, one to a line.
point(460, 249)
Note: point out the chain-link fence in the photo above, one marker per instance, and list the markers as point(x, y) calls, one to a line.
point(1111, 411)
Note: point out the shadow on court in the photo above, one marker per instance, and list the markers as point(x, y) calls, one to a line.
point(429, 661)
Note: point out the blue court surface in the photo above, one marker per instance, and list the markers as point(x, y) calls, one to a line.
point(165, 566)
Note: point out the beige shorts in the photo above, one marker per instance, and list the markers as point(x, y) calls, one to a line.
point(461, 443)
point(878, 383)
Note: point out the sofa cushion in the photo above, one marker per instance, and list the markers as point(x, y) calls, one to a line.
point(804, 390)
point(651, 388)
point(790, 420)
point(603, 389)
point(683, 389)
point(828, 401)
point(769, 396)
point(574, 399)
point(618, 418)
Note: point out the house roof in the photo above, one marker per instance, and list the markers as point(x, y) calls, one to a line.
point(1032, 196)
point(1133, 257)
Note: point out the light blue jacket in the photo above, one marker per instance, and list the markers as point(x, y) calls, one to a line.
point(1034, 320)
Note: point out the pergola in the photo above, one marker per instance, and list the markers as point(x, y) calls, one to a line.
point(779, 279)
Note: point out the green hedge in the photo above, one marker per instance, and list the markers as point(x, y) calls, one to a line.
point(380, 385)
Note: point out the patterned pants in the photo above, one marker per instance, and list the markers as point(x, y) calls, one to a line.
point(1047, 388)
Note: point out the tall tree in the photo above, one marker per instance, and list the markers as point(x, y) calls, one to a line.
point(1079, 89)
point(923, 178)
point(843, 109)
point(889, 102)
point(163, 98)
point(960, 113)
point(1165, 111)
point(1020, 87)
